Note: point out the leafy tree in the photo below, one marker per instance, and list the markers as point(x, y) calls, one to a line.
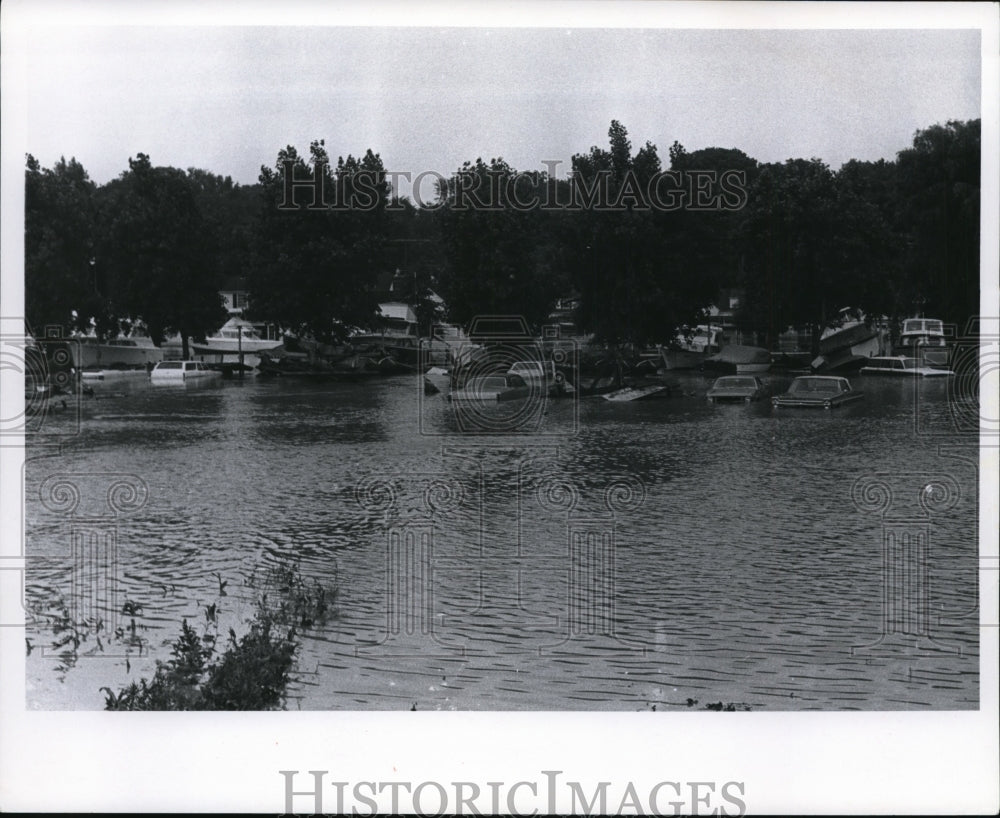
point(637, 277)
point(157, 255)
point(320, 242)
point(500, 255)
point(60, 283)
point(707, 238)
point(415, 252)
point(231, 212)
point(812, 247)
point(939, 192)
point(876, 233)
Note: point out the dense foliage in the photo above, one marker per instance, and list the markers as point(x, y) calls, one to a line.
point(800, 239)
point(321, 242)
point(252, 671)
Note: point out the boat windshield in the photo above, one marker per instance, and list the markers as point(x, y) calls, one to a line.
point(923, 325)
point(814, 386)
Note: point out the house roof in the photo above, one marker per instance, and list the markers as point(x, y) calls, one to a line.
point(397, 310)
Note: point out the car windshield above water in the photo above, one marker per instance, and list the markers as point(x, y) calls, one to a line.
point(492, 382)
point(816, 386)
point(736, 383)
point(170, 365)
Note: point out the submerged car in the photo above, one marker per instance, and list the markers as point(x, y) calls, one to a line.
point(901, 365)
point(534, 370)
point(182, 371)
point(817, 391)
point(492, 388)
point(736, 389)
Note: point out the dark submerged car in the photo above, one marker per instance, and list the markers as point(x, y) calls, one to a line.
point(736, 389)
point(818, 392)
point(492, 388)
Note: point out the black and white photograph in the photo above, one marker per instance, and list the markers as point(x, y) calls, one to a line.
point(582, 407)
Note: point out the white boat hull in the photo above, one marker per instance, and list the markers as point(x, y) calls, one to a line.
point(88, 354)
point(230, 346)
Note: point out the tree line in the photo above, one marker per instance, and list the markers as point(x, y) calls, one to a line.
point(644, 243)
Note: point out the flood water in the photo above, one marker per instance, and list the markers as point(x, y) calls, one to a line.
point(663, 554)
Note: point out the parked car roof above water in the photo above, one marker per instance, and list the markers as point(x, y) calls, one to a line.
point(492, 387)
point(181, 370)
point(824, 391)
point(736, 388)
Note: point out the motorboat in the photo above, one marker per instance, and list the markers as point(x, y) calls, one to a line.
point(817, 392)
point(689, 349)
point(901, 365)
point(123, 352)
point(397, 335)
point(235, 338)
point(739, 359)
point(631, 393)
point(848, 343)
point(925, 340)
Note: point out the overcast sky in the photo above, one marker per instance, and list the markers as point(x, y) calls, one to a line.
point(227, 98)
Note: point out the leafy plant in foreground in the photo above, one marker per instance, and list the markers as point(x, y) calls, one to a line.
point(252, 672)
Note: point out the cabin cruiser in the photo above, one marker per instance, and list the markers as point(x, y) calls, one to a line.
point(925, 340)
point(688, 350)
point(235, 338)
point(848, 343)
point(123, 352)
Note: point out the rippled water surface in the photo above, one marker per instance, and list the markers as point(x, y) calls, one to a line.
point(665, 554)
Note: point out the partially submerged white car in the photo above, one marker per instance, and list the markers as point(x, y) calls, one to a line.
point(175, 372)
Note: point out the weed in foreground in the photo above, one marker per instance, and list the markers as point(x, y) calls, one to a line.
point(252, 672)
